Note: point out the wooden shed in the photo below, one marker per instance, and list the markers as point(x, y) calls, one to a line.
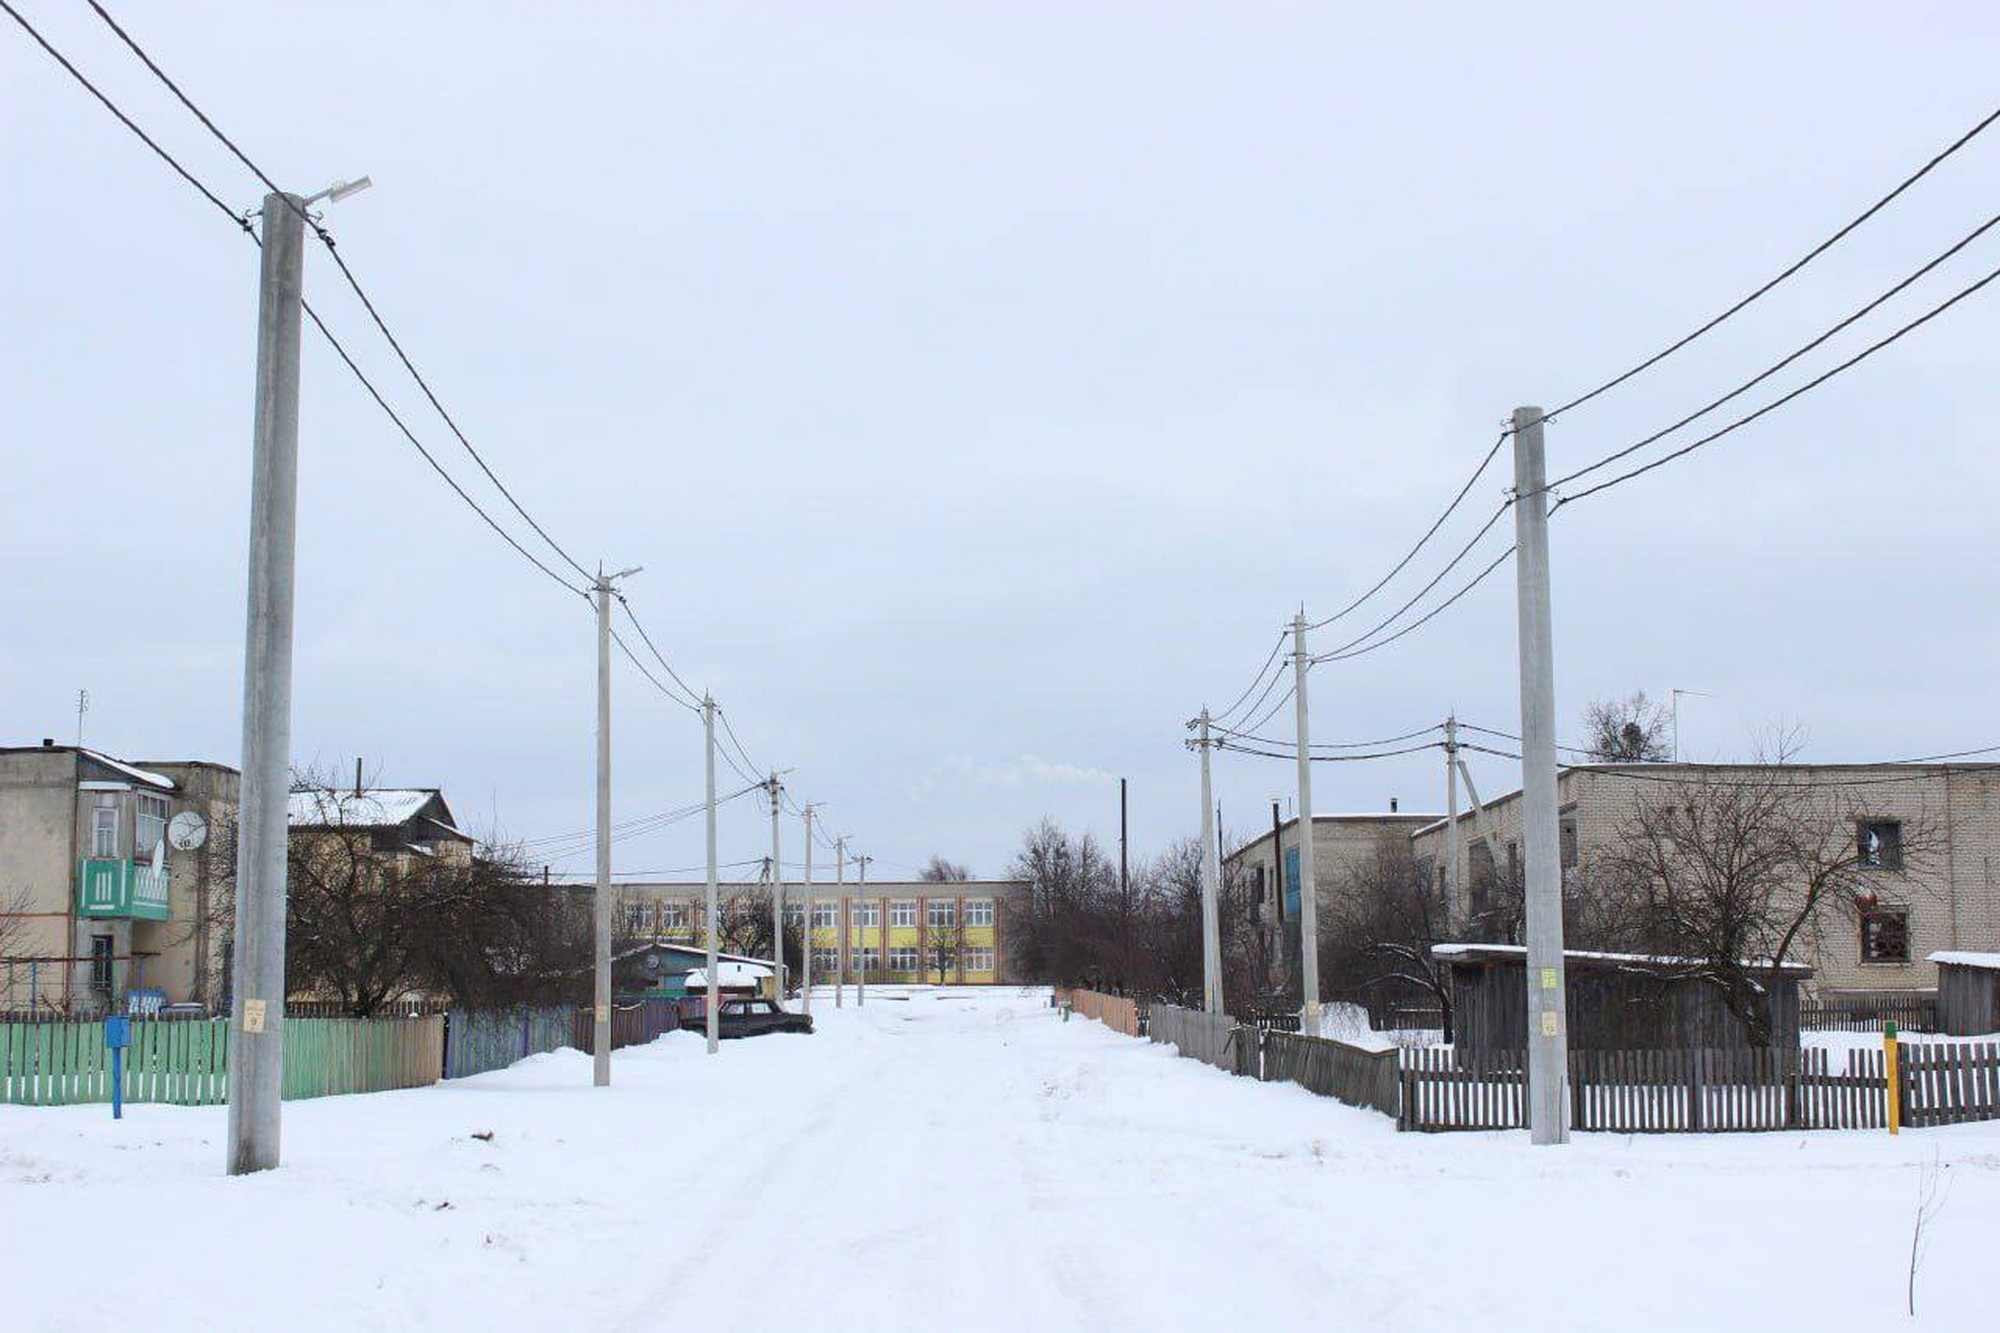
point(1617, 1002)
point(1968, 993)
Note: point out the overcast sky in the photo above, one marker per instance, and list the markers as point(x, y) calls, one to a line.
point(981, 387)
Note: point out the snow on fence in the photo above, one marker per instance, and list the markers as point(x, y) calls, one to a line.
point(1867, 1013)
point(186, 1063)
point(477, 1041)
point(1707, 1091)
point(1332, 1069)
point(1114, 1011)
point(1213, 1039)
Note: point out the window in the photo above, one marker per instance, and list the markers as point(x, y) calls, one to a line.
point(1881, 844)
point(151, 825)
point(978, 960)
point(826, 916)
point(903, 959)
point(638, 918)
point(903, 913)
point(1256, 885)
point(1885, 935)
point(675, 915)
point(864, 960)
point(1513, 860)
point(104, 827)
point(978, 911)
point(1569, 846)
point(826, 961)
point(100, 963)
point(795, 916)
point(867, 915)
point(941, 913)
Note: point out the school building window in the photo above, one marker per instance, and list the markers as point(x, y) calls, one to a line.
point(978, 911)
point(940, 913)
point(864, 960)
point(826, 915)
point(902, 960)
point(978, 960)
point(865, 915)
point(826, 961)
point(674, 916)
point(903, 912)
point(1885, 935)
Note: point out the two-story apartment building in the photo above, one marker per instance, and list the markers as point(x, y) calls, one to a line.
point(906, 931)
point(1931, 892)
point(115, 878)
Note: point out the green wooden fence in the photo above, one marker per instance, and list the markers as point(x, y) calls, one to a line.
point(186, 1062)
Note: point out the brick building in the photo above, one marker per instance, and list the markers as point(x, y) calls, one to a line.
point(1939, 895)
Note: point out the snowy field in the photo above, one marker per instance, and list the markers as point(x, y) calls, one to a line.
point(960, 1160)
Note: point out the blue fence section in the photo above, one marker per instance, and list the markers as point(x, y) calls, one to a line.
point(477, 1041)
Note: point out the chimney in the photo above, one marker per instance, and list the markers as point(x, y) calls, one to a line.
point(48, 743)
point(1392, 805)
point(357, 775)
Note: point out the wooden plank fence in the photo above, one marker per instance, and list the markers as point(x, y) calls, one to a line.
point(328, 1056)
point(1213, 1039)
point(1856, 1013)
point(1114, 1011)
point(1334, 1069)
point(477, 1041)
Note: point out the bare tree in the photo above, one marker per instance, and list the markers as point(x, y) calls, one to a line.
point(944, 945)
point(938, 870)
point(1381, 926)
point(1632, 730)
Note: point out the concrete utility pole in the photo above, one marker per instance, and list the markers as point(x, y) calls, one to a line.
point(777, 898)
point(708, 973)
point(600, 1062)
point(1454, 904)
point(847, 941)
point(1541, 836)
point(1211, 879)
point(807, 962)
point(1308, 886)
point(257, 1013)
point(861, 974)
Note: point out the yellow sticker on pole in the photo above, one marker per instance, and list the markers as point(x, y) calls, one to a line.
point(253, 1015)
point(1549, 1026)
point(1549, 981)
point(604, 1013)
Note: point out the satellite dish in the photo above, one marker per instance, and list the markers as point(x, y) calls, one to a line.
point(187, 831)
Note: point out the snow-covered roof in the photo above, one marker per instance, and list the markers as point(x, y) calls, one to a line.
point(1508, 952)
point(140, 775)
point(373, 807)
point(1958, 958)
point(728, 974)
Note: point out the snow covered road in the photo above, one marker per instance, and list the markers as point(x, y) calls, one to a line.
point(958, 1160)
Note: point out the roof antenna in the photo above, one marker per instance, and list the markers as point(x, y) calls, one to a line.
point(82, 707)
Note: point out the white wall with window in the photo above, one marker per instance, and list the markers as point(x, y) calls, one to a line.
point(978, 911)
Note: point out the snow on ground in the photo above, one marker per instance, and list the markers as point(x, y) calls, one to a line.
point(961, 1160)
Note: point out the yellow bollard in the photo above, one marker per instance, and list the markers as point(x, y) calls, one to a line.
point(1895, 1084)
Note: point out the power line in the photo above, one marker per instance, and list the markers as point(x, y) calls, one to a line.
point(1325, 758)
point(1257, 679)
point(1810, 255)
point(1430, 532)
point(1778, 402)
point(1428, 616)
point(1335, 745)
point(693, 700)
point(1345, 649)
point(353, 282)
point(1773, 369)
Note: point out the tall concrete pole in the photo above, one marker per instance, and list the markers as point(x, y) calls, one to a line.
point(257, 1011)
point(708, 972)
point(1454, 902)
point(1308, 886)
point(777, 899)
point(847, 942)
point(1211, 881)
point(600, 1064)
point(806, 963)
point(1541, 837)
point(882, 933)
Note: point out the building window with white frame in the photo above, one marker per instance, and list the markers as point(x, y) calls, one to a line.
point(864, 960)
point(978, 911)
point(826, 962)
point(104, 827)
point(150, 823)
point(903, 959)
point(674, 914)
point(903, 912)
point(941, 913)
point(978, 960)
point(826, 916)
point(864, 916)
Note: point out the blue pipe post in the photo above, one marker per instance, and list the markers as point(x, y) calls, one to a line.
point(118, 1035)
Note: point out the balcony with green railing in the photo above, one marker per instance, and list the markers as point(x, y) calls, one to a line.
point(116, 886)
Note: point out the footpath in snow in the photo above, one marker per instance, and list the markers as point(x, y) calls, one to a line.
point(960, 1160)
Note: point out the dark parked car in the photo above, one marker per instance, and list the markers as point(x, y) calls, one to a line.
point(754, 1018)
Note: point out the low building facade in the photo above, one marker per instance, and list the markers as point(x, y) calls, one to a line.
point(902, 932)
point(1938, 892)
point(116, 880)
